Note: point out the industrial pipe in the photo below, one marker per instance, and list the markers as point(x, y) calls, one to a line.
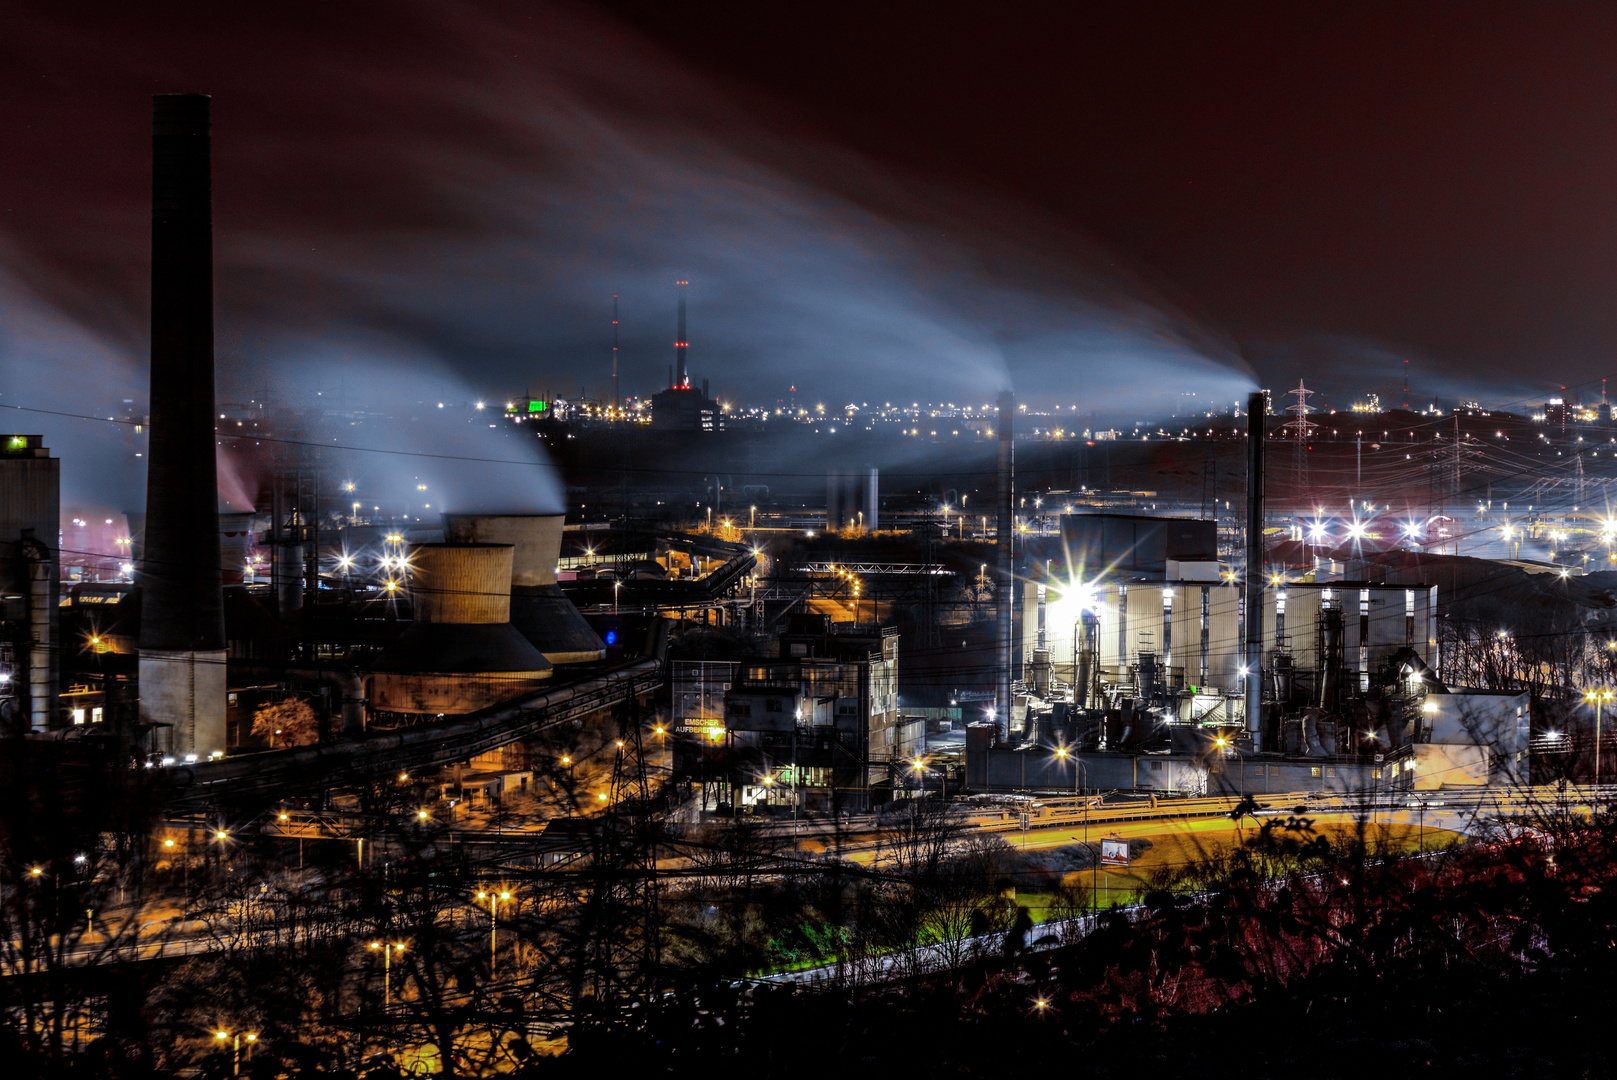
point(1083, 694)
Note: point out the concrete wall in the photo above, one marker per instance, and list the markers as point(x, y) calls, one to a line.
point(461, 583)
point(440, 694)
point(1238, 776)
point(1437, 766)
point(1472, 737)
point(1014, 770)
point(185, 692)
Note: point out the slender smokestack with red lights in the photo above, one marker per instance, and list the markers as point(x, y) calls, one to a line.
point(681, 377)
point(1005, 585)
point(182, 634)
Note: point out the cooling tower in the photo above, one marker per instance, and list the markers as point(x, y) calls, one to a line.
point(461, 653)
point(538, 608)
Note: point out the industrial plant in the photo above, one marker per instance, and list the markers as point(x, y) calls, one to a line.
point(857, 650)
point(597, 690)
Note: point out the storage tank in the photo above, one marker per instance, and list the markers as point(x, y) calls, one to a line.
point(539, 609)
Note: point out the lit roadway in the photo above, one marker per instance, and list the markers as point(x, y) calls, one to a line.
point(1175, 839)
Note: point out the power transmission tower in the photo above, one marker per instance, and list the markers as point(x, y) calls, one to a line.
point(1300, 429)
point(619, 917)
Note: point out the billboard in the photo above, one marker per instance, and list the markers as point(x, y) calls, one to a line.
point(1114, 853)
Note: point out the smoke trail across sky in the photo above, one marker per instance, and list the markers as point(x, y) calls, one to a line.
point(462, 189)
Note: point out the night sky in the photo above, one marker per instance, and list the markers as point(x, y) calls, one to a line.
point(1433, 181)
point(1105, 206)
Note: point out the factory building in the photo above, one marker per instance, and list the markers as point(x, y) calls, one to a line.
point(1148, 666)
point(817, 727)
point(1131, 545)
point(1189, 634)
point(30, 512)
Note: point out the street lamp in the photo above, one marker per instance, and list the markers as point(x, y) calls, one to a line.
point(235, 1040)
point(1597, 698)
point(1062, 754)
point(1225, 743)
point(918, 767)
point(493, 926)
point(387, 950)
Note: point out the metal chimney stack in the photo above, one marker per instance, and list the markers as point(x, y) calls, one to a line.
point(1255, 408)
point(681, 377)
point(182, 636)
point(1005, 580)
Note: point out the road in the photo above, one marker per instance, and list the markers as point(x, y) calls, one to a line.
point(1174, 841)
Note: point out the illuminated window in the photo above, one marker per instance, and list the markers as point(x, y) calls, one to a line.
point(95, 715)
point(78, 716)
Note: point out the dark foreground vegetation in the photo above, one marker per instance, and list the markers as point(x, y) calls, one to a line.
point(640, 951)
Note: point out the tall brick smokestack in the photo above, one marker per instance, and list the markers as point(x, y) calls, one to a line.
point(182, 636)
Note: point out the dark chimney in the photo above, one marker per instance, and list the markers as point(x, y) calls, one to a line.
point(182, 606)
point(1255, 409)
point(182, 617)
